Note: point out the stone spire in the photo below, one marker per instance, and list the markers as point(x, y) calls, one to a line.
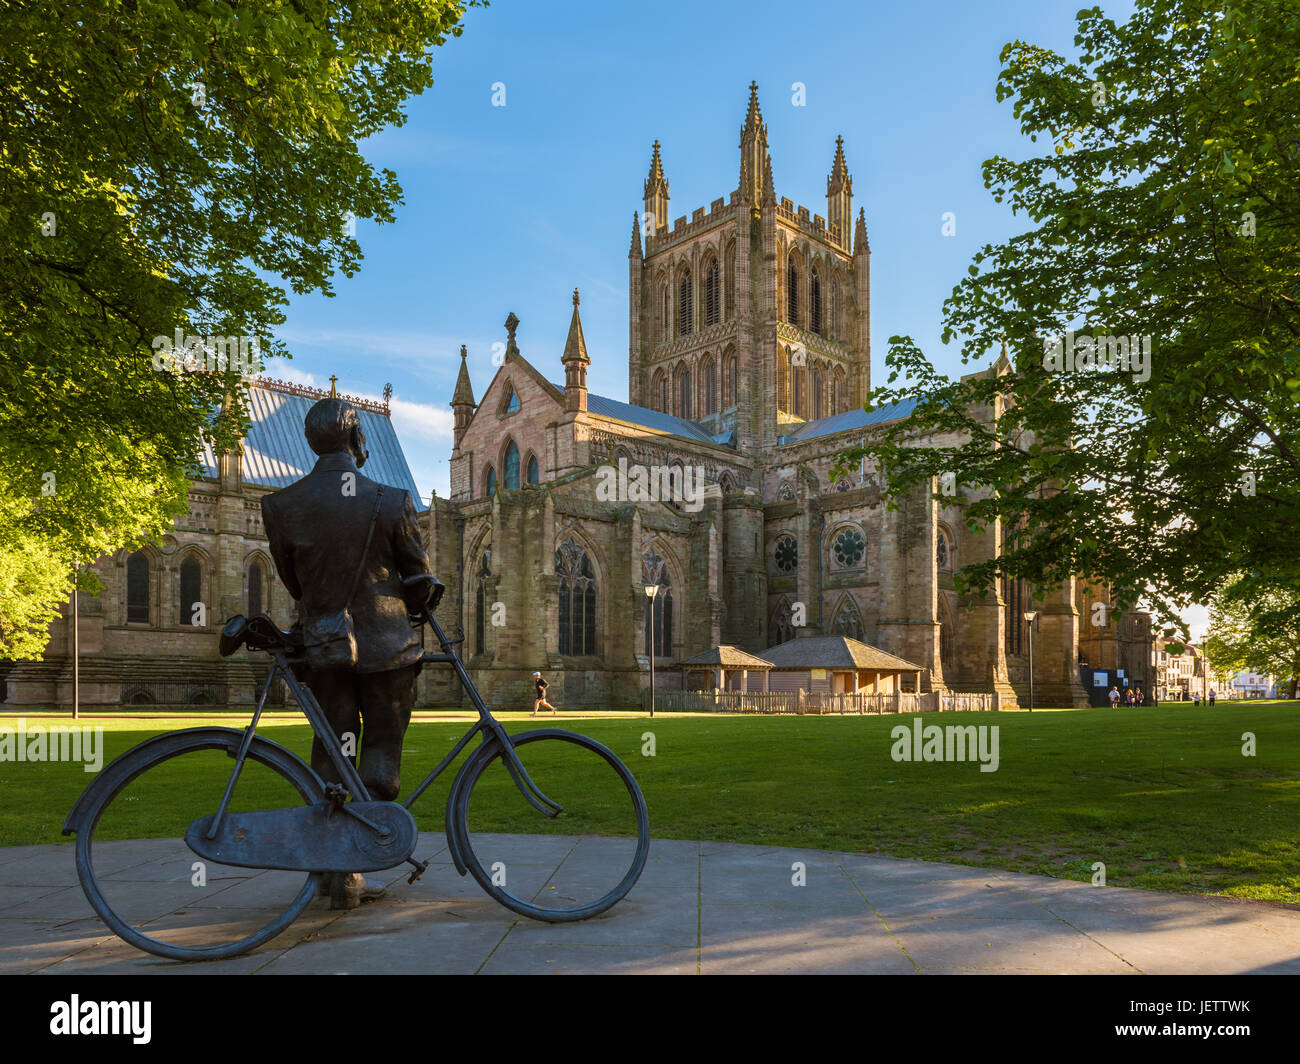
point(753, 151)
point(635, 251)
point(860, 242)
point(839, 194)
point(462, 401)
point(656, 194)
point(769, 186)
point(575, 363)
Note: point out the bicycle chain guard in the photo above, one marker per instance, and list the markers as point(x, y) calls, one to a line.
point(310, 838)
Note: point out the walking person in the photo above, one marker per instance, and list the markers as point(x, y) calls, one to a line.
point(1128, 697)
point(541, 686)
point(1139, 699)
point(1211, 696)
point(1114, 698)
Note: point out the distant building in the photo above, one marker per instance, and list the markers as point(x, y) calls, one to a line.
point(1253, 685)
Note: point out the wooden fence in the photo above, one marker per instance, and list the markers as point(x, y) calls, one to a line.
point(803, 704)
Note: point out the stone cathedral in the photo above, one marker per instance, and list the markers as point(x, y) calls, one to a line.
point(749, 358)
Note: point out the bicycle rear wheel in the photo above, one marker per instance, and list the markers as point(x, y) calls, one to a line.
point(571, 866)
point(143, 880)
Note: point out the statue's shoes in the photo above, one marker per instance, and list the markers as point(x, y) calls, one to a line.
point(347, 890)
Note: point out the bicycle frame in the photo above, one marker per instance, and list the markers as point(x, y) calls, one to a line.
point(487, 726)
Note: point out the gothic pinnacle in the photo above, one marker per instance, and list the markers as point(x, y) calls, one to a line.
point(575, 347)
point(656, 180)
point(839, 170)
point(754, 116)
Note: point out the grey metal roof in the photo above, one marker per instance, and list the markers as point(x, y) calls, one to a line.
point(276, 452)
point(850, 419)
point(651, 419)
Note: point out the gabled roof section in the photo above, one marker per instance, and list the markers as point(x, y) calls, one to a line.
point(643, 416)
point(276, 452)
point(850, 419)
point(514, 358)
point(834, 652)
point(725, 656)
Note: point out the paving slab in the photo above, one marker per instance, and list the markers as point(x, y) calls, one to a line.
point(699, 908)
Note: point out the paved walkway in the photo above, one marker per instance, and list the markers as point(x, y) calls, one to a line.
point(699, 908)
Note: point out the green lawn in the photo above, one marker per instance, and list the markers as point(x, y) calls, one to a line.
point(1164, 797)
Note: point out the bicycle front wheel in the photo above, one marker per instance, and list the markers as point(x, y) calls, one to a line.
point(569, 866)
point(143, 880)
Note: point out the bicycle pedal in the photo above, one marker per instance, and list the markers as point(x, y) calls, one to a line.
point(420, 868)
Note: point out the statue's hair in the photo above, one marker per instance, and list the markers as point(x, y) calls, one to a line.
point(329, 425)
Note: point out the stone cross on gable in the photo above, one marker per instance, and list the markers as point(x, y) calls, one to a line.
point(512, 323)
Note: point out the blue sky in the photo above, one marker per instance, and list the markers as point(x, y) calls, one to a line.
point(509, 208)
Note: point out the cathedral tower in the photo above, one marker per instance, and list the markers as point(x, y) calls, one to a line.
point(752, 317)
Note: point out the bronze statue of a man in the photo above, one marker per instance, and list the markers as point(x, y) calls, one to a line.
point(343, 545)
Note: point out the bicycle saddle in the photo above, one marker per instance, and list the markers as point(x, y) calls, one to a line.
point(260, 633)
point(422, 589)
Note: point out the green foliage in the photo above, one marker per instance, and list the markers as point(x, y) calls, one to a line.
point(1169, 209)
point(163, 165)
point(1259, 634)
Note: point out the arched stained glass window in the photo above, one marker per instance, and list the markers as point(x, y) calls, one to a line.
point(533, 472)
point(815, 302)
point(191, 590)
point(792, 291)
point(512, 401)
point(661, 622)
point(137, 588)
point(480, 601)
point(712, 290)
point(577, 589)
point(848, 622)
point(512, 467)
point(491, 481)
point(685, 299)
point(781, 623)
point(255, 576)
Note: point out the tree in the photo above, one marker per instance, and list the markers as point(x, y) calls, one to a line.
point(1235, 644)
point(163, 165)
point(1164, 247)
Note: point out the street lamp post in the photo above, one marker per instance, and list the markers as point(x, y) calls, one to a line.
point(651, 590)
point(1029, 617)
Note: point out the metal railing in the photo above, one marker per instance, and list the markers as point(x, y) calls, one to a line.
point(800, 703)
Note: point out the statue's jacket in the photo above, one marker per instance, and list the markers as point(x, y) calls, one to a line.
point(317, 527)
